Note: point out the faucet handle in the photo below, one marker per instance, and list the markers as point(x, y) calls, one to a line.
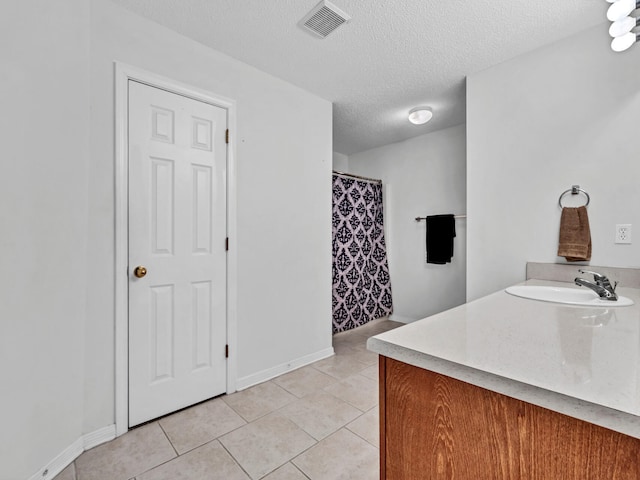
point(598, 277)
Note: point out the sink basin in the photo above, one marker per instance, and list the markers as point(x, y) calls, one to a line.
point(568, 296)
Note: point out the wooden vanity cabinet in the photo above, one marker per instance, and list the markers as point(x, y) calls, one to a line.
point(436, 427)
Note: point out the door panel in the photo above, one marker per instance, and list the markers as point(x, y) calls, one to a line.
point(177, 231)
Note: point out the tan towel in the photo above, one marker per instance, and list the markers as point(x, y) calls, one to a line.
point(575, 236)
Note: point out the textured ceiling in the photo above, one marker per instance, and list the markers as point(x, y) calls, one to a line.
point(392, 56)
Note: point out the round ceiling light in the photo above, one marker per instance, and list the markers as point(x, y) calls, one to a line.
point(420, 115)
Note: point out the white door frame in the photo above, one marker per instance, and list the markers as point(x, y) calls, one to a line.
point(124, 73)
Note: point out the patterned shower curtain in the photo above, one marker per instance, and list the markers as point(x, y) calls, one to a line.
point(361, 282)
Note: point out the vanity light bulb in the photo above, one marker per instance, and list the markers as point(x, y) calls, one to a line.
point(620, 44)
point(623, 26)
point(621, 8)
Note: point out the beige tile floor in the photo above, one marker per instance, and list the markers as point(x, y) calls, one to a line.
point(319, 422)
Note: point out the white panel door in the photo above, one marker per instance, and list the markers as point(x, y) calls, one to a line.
point(177, 232)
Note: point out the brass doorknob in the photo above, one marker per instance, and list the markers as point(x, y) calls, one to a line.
point(140, 271)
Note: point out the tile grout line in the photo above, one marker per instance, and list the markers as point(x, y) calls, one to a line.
point(316, 444)
point(239, 414)
point(360, 436)
point(161, 463)
point(298, 468)
point(187, 452)
point(311, 434)
point(268, 413)
point(280, 466)
point(354, 406)
point(168, 439)
point(235, 459)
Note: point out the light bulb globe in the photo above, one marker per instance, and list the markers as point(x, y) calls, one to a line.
point(620, 9)
point(622, 27)
point(620, 44)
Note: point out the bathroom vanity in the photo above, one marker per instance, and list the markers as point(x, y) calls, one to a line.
point(511, 388)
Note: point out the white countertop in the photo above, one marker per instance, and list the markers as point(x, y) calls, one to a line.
point(580, 361)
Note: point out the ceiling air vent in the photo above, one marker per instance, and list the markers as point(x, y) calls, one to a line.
point(324, 19)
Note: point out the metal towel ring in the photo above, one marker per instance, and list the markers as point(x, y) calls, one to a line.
point(574, 190)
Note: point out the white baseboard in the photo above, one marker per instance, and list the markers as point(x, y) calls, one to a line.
point(73, 451)
point(400, 318)
point(269, 373)
point(99, 437)
point(64, 458)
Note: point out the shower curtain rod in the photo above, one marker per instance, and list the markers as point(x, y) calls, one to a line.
point(350, 175)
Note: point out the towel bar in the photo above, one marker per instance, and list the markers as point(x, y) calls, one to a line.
point(455, 216)
point(574, 190)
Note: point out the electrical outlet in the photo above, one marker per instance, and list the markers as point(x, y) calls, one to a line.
point(623, 233)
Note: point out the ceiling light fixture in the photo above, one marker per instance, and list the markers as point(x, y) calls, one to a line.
point(420, 115)
point(623, 24)
point(621, 8)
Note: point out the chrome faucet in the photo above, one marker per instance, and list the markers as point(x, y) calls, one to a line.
point(602, 285)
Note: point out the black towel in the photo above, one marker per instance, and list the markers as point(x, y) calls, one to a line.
point(441, 229)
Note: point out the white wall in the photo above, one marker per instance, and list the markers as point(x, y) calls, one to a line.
point(421, 176)
point(340, 162)
point(44, 132)
point(283, 199)
point(562, 115)
point(57, 214)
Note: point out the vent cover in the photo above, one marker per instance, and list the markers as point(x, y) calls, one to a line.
point(324, 19)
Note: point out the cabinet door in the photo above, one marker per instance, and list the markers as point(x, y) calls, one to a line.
point(436, 427)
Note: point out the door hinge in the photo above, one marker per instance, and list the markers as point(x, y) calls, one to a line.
point(226, 136)
point(226, 351)
point(226, 244)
